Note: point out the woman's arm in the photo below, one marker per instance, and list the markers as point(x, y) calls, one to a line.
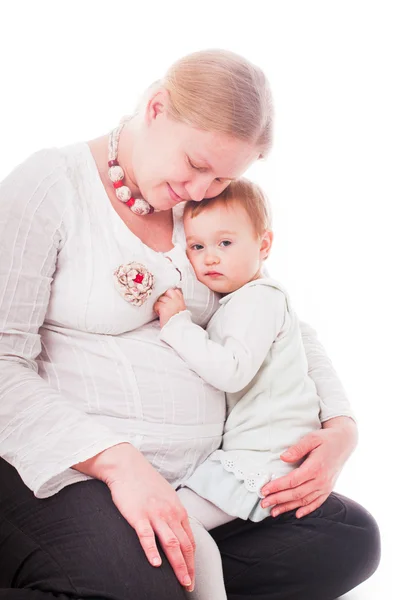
point(41, 433)
point(333, 399)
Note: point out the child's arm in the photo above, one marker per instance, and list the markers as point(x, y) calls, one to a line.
point(249, 324)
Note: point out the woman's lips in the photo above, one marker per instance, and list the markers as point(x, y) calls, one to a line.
point(174, 197)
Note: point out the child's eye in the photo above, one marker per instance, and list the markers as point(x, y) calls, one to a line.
point(226, 243)
point(196, 247)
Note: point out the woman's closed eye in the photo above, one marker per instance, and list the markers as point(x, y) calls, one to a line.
point(195, 166)
point(202, 170)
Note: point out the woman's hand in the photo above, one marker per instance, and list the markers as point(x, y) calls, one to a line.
point(310, 484)
point(149, 504)
point(169, 304)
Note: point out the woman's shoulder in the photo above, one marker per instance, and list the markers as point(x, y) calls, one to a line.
point(43, 178)
point(49, 164)
point(36, 168)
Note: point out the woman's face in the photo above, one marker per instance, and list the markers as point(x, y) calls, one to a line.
point(175, 162)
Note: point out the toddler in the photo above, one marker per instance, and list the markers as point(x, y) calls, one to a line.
point(252, 349)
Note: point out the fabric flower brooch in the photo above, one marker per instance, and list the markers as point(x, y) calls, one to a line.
point(134, 282)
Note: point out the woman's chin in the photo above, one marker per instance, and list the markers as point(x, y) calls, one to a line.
point(163, 204)
point(156, 200)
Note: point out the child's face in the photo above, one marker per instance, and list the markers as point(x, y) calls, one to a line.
point(223, 247)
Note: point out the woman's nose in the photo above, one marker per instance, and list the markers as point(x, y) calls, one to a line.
point(198, 187)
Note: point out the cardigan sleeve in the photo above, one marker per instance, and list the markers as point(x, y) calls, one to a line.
point(41, 434)
point(248, 325)
point(333, 398)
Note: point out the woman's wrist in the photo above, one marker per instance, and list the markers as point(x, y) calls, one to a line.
point(347, 427)
point(107, 464)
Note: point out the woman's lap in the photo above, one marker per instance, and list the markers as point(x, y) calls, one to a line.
point(318, 557)
point(77, 544)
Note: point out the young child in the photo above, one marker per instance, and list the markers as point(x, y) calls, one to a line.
point(252, 350)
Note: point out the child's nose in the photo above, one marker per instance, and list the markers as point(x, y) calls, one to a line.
point(211, 258)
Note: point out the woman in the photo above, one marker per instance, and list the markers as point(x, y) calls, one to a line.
point(91, 397)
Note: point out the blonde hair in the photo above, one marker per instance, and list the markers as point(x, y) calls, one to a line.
point(241, 191)
point(218, 90)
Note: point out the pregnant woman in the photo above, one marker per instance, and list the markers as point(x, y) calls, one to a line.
point(99, 420)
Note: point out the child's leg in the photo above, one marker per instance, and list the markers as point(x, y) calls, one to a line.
point(203, 515)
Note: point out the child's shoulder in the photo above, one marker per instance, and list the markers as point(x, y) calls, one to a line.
point(261, 289)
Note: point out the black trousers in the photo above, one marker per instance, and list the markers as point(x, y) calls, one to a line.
point(76, 545)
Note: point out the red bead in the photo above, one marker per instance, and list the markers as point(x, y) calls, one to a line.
point(130, 202)
point(139, 278)
point(113, 163)
point(118, 184)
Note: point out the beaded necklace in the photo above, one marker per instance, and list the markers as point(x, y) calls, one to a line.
point(117, 176)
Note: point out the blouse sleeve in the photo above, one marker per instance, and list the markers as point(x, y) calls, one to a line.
point(333, 398)
point(41, 434)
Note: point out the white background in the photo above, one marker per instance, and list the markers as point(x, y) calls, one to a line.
point(70, 70)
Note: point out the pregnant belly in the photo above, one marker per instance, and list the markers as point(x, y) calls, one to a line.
point(139, 387)
point(168, 390)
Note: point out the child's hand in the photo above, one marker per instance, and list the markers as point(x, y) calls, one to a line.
point(169, 304)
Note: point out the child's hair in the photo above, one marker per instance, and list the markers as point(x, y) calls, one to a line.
point(244, 192)
point(220, 91)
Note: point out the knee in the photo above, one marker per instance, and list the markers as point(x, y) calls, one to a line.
point(367, 540)
point(359, 544)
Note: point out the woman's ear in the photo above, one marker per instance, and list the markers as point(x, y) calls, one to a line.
point(157, 105)
point(266, 243)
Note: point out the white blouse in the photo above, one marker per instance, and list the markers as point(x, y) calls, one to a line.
point(80, 368)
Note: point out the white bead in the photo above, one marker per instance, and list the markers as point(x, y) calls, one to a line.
point(116, 173)
point(123, 193)
point(141, 207)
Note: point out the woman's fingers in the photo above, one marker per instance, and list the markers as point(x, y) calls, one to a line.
point(297, 477)
point(298, 451)
point(302, 503)
point(152, 507)
point(176, 543)
point(309, 508)
point(178, 549)
point(286, 507)
point(306, 488)
point(306, 505)
point(147, 540)
point(297, 494)
point(189, 532)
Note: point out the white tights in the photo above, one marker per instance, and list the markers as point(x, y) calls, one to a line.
point(203, 516)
